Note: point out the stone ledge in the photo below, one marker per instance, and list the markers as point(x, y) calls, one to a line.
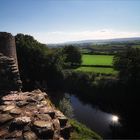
point(29, 115)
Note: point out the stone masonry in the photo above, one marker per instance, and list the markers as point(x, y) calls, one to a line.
point(9, 73)
point(31, 116)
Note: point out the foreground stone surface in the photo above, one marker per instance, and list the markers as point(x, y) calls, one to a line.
point(30, 116)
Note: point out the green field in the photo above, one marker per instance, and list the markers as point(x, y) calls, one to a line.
point(97, 70)
point(97, 59)
point(136, 46)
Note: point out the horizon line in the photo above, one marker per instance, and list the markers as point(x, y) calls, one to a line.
point(93, 40)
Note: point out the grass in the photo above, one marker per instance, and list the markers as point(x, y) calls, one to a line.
point(81, 132)
point(97, 70)
point(136, 46)
point(97, 59)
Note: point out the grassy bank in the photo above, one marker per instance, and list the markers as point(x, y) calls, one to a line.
point(81, 132)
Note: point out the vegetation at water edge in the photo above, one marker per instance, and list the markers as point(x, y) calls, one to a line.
point(81, 132)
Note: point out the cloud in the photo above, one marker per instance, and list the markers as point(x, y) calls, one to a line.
point(60, 37)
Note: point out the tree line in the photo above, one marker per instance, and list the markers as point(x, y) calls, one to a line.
point(44, 67)
point(40, 66)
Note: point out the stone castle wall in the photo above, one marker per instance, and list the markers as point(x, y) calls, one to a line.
point(9, 73)
point(7, 45)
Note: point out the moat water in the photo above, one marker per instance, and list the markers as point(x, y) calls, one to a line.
point(91, 116)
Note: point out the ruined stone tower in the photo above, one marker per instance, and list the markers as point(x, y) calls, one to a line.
point(9, 73)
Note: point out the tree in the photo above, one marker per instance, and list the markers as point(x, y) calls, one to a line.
point(38, 64)
point(54, 71)
point(31, 58)
point(128, 64)
point(66, 107)
point(72, 55)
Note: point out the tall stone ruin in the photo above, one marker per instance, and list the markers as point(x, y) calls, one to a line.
point(9, 72)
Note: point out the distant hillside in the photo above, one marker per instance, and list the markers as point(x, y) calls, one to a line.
point(87, 43)
point(100, 41)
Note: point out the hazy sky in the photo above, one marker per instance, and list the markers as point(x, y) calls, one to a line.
point(52, 21)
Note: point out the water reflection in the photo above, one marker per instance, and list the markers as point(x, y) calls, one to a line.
point(94, 118)
point(115, 119)
point(105, 124)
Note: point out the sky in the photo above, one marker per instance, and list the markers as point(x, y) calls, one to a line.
point(57, 21)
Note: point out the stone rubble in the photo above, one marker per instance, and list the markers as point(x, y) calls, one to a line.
point(30, 116)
